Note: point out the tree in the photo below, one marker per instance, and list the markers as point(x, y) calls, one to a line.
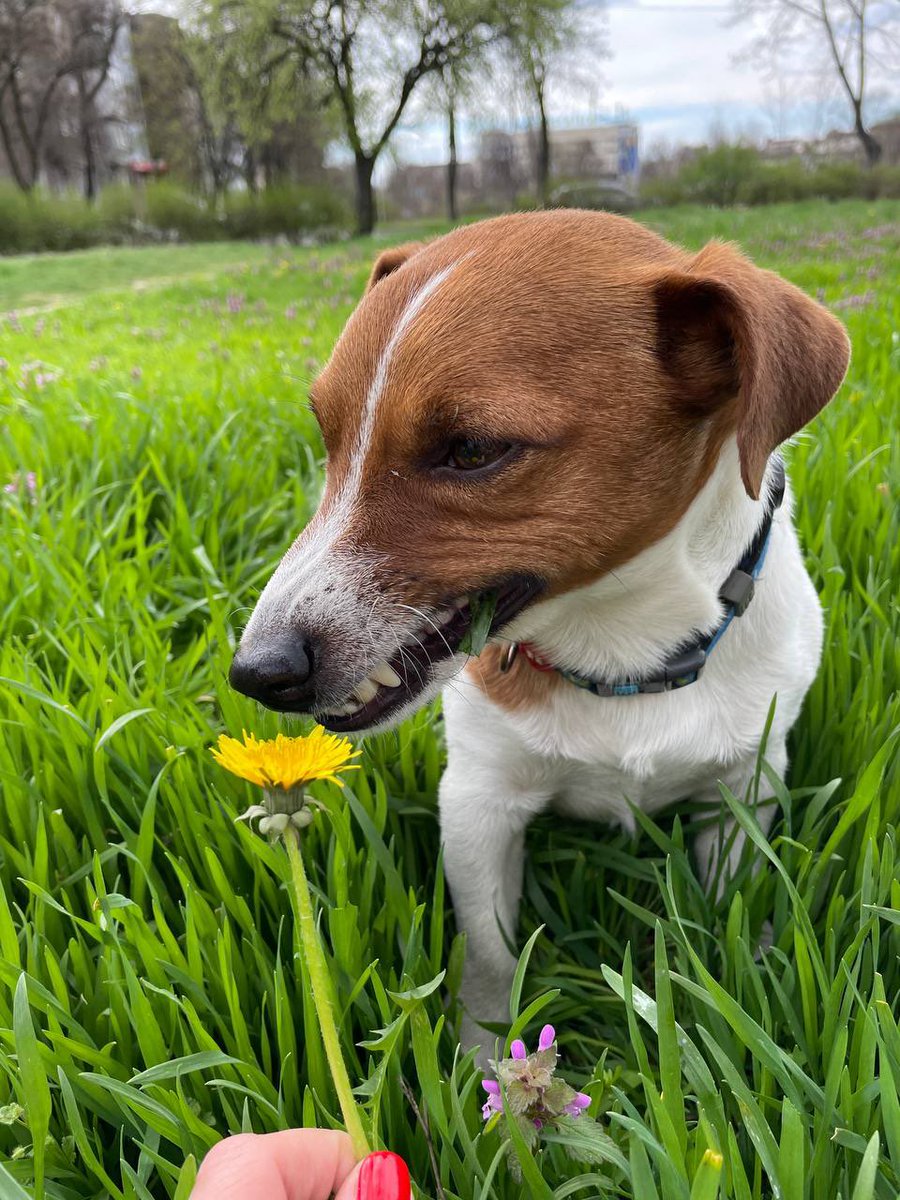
point(171, 107)
point(849, 30)
point(541, 35)
point(368, 55)
point(32, 66)
point(451, 87)
point(94, 28)
point(52, 52)
point(450, 84)
point(278, 116)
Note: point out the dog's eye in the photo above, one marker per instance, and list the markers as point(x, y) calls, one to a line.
point(471, 454)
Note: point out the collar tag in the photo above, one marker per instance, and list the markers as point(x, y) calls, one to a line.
point(737, 591)
point(508, 656)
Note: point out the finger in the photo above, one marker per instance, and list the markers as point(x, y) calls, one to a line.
point(296, 1164)
point(381, 1176)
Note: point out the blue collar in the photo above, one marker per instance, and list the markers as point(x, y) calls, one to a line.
point(685, 664)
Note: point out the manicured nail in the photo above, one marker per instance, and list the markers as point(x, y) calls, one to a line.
point(384, 1176)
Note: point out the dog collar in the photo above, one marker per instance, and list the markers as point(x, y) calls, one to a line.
point(685, 664)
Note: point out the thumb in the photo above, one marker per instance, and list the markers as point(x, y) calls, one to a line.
point(381, 1176)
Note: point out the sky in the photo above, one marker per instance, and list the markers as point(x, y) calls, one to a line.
point(678, 68)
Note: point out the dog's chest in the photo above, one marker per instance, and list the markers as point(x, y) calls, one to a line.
point(593, 756)
point(600, 754)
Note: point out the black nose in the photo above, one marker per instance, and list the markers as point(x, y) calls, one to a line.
point(277, 671)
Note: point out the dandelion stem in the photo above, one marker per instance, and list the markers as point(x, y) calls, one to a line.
point(317, 969)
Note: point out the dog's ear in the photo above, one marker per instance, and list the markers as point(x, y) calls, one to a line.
point(389, 260)
point(731, 333)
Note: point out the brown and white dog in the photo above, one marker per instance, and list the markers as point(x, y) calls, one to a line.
point(568, 411)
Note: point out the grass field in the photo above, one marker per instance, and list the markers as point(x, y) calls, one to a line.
point(150, 999)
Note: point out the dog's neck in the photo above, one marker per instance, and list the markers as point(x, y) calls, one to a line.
point(626, 623)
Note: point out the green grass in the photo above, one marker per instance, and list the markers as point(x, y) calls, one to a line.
point(32, 281)
point(150, 995)
point(47, 280)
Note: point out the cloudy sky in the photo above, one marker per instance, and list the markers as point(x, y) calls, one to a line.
point(679, 69)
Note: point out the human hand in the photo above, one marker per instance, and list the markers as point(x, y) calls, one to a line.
point(298, 1164)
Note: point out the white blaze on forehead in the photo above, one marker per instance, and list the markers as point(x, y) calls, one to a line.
point(379, 379)
point(284, 589)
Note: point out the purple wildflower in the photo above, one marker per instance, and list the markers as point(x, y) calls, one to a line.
point(136, 373)
point(290, 312)
point(578, 1105)
point(534, 1095)
point(235, 302)
point(494, 1102)
point(851, 303)
point(17, 483)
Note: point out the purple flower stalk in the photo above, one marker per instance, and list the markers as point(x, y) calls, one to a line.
point(17, 483)
point(533, 1093)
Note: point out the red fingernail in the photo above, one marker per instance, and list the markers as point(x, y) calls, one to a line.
point(384, 1176)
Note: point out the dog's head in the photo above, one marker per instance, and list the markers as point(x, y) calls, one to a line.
point(517, 408)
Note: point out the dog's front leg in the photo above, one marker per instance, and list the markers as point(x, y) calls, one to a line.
point(483, 821)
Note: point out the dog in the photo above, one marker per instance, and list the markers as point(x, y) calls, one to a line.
point(564, 415)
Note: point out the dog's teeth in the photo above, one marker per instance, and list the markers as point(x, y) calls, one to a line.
point(348, 709)
point(366, 690)
point(385, 674)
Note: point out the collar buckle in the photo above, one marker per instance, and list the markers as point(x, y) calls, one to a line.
point(683, 668)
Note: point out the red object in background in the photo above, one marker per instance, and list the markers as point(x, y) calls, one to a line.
point(148, 166)
point(384, 1176)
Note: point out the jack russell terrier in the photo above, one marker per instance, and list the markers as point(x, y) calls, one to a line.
point(568, 412)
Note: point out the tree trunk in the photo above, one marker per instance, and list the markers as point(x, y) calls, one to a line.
point(871, 147)
point(89, 170)
point(452, 210)
point(543, 155)
point(365, 194)
point(18, 173)
point(248, 170)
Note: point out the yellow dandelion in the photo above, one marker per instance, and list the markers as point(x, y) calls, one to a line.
point(281, 766)
point(287, 762)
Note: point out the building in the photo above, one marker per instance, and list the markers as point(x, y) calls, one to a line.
point(838, 145)
point(887, 135)
point(602, 153)
point(599, 154)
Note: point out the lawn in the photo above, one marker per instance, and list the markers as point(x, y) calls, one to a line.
point(151, 997)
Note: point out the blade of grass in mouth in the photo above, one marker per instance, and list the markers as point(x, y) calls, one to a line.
point(482, 607)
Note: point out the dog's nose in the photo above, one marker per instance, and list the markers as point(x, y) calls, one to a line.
point(277, 672)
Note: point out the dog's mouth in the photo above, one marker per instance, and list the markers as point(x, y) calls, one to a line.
point(395, 682)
